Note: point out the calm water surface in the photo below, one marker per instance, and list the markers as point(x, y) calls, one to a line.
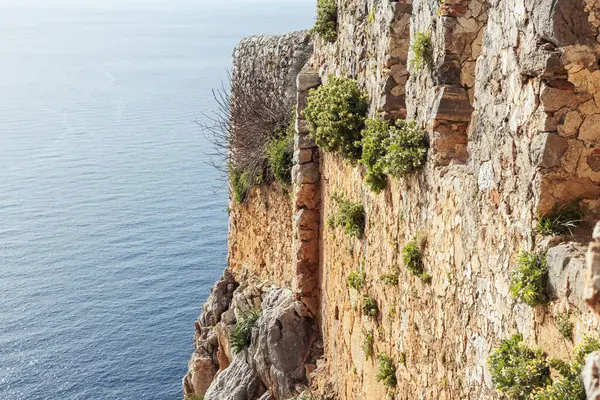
point(110, 231)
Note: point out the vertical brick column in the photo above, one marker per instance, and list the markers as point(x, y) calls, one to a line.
point(306, 201)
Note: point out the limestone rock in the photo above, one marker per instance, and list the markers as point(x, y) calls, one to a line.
point(283, 344)
point(591, 376)
point(238, 382)
point(592, 288)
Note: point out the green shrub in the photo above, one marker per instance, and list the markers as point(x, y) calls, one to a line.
point(528, 283)
point(406, 149)
point(565, 326)
point(374, 150)
point(588, 345)
point(356, 279)
point(517, 370)
point(326, 21)
point(369, 306)
point(280, 152)
point(391, 149)
point(241, 336)
point(336, 114)
point(241, 181)
point(412, 257)
point(561, 220)
point(570, 384)
point(422, 51)
point(350, 216)
point(389, 279)
point(368, 345)
point(387, 371)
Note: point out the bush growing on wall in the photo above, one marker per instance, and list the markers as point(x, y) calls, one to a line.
point(336, 114)
point(518, 370)
point(374, 150)
point(561, 219)
point(350, 216)
point(280, 153)
point(391, 149)
point(326, 21)
point(406, 149)
point(528, 283)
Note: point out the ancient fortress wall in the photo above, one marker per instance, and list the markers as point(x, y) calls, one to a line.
point(511, 108)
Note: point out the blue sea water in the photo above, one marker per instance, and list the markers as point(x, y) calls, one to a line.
point(110, 231)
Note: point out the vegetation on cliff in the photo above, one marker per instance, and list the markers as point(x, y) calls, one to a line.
point(350, 216)
point(561, 219)
point(387, 371)
point(422, 51)
point(528, 282)
point(520, 372)
point(242, 333)
point(336, 113)
point(327, 20)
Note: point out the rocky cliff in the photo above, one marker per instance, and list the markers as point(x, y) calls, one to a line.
point(507, 96)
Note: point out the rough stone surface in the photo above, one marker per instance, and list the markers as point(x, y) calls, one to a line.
point(592, 290)
point(204, 363)
point(591, 376)
point(509, 103)
point(284, 343)
point(238, 382)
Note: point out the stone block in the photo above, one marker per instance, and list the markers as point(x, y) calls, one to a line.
point(553, 99)
point(549, 147)
point(307, 79)
point(452, 104)
point(305, 173)
point(302, 156)
point(307, 195)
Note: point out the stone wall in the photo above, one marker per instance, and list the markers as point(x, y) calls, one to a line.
point(260, 229)
point(509, 104)
point(260, 236)
point(493, 103)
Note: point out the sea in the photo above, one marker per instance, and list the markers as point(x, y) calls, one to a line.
point(113, 224)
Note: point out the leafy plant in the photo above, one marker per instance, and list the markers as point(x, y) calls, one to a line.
point(336, 114)
point(368, 345)
point(350, 216)
point(528, 283)
point(369, 306)
point(241, 181)
point(280, 152)
point(387, 371)
point(561, 219)
point(412, 257)
point(327, 20)
point(406, 148)
point(391, 149)
point(356, 279)
point(570, 384)
point(389, 279)
point(565, 326)
point(241, 337)
point(422, 51)
point(373, 152)
point(518, 370)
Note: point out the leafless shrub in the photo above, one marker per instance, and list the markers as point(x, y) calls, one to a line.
point(247, 116)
